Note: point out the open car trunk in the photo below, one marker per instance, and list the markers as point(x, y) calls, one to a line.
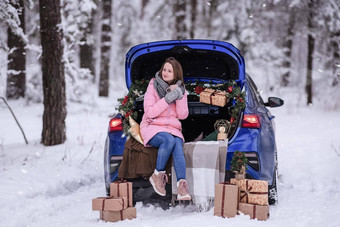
point(199, 125)
point(206, 61)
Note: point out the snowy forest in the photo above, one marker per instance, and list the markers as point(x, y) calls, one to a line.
point(292, 44)
point(291, 50)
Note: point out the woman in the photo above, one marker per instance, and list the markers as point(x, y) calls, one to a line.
point(165, 103)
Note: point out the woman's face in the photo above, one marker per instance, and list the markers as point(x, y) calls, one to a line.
point(168, 73)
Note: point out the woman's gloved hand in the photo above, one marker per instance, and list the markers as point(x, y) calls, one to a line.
point(171, 96)
point(180, 89)
point(176, 92)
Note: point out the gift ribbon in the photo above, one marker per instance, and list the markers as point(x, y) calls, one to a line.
point(210, 93)
point(127, 188)
point(254, 211)
point(103, 204)
point(111, 197)
point(248, 191)
point(223, 197)
point(222, 209)
point(221, 95)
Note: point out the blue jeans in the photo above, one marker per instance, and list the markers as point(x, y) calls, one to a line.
point(168, 144)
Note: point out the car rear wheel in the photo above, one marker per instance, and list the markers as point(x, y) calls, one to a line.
point(107, 191)
point(272, 190)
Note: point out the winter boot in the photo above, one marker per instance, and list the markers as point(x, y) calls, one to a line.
point(182, 190)
point(158, 181)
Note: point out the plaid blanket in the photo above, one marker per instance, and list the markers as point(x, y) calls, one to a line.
point(205, 167)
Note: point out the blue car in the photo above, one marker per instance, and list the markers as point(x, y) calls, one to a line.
point(203, 61)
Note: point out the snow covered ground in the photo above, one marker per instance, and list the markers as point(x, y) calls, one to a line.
point(54, 186)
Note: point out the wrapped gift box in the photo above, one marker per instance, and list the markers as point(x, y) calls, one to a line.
point(122, 189)
point(219, 98)
point(114, 216)
point(254, 211)
point(109, 203)
point(206, 95)
point(252, 191)
point(226, 200)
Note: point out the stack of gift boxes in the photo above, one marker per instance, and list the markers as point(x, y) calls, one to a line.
point(118, 206)
point(249, 197)
point(213, 97)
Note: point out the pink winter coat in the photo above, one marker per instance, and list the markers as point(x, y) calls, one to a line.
point(159, 116)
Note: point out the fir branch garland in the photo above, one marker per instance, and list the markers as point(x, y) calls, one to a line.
point(127, 104)
point(231, 87)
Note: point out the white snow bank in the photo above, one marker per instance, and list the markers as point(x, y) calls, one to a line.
point(54, 186)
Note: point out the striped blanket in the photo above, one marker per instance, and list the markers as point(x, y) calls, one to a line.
point(205, 167)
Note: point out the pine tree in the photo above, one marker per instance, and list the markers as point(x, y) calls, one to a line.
point(193, 4)
point(16, 76)
point(87, 39)
point(54, 131)
point(79, 65)
point(311, 6)
point(86, 49)
point(211, 14)
point(331, 18)
point(105, 49)
point(287, 45)
point(180, 14)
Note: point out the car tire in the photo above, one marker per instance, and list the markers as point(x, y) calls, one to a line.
point(107, 191)
point(272, 190)
point(147, 196)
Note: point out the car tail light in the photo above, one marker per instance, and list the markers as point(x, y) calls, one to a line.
point(116, 124)
point(251, 121)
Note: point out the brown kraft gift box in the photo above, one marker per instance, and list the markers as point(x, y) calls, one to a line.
point(205, 96)
point(252, 191)
point(114, 216)
point(219, 98)
point(254, 211)
point(226, 200)
point(109, 203)
point(122, 189)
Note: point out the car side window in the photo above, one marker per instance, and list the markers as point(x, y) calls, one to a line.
point(256, 92)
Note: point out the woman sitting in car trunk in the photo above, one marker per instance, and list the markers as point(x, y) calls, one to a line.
point(165, 103)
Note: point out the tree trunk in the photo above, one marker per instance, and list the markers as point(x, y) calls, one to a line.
point(335, 47)
point(193, 18)
point(180, 26)
point(144, 3)
point(288, 45)
point(105, 49)
point(212, 10)
point(16, 79)
point(309, 81)
point(54, 131)
point(86, 49)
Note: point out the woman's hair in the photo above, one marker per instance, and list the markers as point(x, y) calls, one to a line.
point(178, 71)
